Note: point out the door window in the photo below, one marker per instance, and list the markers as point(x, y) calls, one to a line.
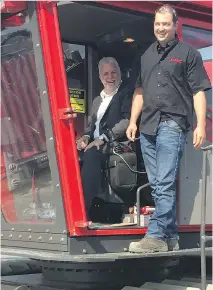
point(75, 66)
point(202, 40)
point(26, 181)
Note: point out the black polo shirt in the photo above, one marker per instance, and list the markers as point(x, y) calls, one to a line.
point(169, 78)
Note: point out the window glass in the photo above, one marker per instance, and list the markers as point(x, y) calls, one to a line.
point(197, 37)
point(202, 40)
point(74, 59)
point(26, 182)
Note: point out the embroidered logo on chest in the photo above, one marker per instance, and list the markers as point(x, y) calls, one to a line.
point(176, 60)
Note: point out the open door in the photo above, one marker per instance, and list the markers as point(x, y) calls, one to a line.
point(31, 193)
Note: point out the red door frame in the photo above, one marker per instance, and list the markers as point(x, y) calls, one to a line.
point(63, 128)
point(77, 223)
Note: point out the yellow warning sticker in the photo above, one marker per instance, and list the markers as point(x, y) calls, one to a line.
point(77, 100)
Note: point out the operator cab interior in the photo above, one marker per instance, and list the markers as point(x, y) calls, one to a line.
point(99, 32)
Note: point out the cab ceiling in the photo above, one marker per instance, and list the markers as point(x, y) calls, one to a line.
point(84, 23)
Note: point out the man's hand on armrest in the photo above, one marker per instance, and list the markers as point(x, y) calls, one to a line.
point(97, 143)
point(83, 142)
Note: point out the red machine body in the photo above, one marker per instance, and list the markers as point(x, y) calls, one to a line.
point(37, 130)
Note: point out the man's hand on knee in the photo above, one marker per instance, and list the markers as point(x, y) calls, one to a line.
point(96, 142)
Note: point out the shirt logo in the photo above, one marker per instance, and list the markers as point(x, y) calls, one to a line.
point(176, 60)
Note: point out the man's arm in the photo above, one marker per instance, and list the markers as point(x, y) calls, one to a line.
point(137, 106)
point(200, 109)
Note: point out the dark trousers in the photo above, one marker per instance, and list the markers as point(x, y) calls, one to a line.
point(91, 174)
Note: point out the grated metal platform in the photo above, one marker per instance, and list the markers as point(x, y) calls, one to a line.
point(95, 271)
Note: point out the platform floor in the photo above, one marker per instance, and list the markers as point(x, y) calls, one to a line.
point(44, 255)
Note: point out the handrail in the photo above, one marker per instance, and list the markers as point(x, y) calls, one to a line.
point(203, 237)
point(138, 202)
point(207, 148)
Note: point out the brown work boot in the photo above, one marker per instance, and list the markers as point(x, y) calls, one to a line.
point(173, 245)
point(148, 245)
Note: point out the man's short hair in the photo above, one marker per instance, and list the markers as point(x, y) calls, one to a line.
point(168, 8)
point(109, 60)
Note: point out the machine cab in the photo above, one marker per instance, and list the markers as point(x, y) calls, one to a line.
point(50, 53)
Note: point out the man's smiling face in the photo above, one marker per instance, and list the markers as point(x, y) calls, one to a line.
point(110, 77)
point(164, 27)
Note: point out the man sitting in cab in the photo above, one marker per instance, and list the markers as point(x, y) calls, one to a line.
point(111, 109)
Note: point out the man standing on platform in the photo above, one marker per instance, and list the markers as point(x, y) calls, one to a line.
point(172, 83)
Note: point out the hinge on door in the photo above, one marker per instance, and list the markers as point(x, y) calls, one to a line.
point(66, 113)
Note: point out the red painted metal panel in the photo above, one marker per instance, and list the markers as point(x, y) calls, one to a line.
point(203, 3)
point(113, 232)
point(140, 6)
point(194, 23)
point(187, 9)
point(15, 20)
point(208, 67)
point(13, 6)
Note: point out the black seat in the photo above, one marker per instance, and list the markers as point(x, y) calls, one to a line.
point(119, 183)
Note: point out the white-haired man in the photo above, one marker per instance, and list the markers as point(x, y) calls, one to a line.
point(112, 110)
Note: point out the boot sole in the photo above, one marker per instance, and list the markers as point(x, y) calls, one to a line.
point(144, 251)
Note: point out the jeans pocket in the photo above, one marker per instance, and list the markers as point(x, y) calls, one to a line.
point(173, 125)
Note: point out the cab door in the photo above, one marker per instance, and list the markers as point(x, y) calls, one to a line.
point(33, 117)
point(199, 35)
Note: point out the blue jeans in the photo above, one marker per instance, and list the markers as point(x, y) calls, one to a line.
point(162, 154)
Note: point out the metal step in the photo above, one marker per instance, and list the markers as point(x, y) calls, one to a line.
point(186, 283)
point(197, 280)
point(160, 286)
point(132, 288)
point(194, 284)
